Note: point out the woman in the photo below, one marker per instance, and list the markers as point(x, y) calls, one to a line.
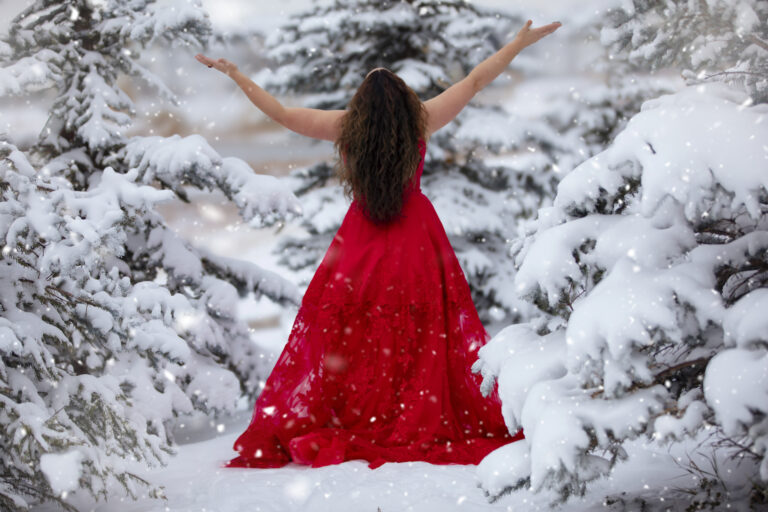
point(377, 365)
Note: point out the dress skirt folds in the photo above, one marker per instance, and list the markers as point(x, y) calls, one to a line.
point(377, 364)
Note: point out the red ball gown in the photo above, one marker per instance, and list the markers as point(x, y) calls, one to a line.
point(377, 364)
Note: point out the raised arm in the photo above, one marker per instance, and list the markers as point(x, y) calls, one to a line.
point(318, 124)
point(445, 106)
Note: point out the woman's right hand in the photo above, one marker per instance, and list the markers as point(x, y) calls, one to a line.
point(527, 35)
point(223, 65)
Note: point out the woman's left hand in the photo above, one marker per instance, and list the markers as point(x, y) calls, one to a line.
point(527, 35)
point(223, 65)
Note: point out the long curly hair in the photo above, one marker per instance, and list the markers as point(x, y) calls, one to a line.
point(378, 144)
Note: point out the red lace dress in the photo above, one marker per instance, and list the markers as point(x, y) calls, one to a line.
point(377, 365)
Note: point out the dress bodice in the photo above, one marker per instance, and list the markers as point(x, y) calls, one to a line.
point(416, 182)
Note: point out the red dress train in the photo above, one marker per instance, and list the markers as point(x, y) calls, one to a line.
point(377, 365)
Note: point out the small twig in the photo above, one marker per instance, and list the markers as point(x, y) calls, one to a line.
point(725, 73)
point(759, 42)
point(663, 374)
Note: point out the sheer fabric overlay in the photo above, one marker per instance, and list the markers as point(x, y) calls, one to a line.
point(377, 364)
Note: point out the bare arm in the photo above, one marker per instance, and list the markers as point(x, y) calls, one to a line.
point(444, 107)
point(315, 123)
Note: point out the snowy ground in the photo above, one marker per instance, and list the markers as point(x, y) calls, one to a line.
point(194, 482)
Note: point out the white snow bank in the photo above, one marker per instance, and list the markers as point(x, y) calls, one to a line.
point(62, 470)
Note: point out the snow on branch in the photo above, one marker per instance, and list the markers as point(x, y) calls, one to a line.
point(176, 21)
point(250, 278)
point(30, 74)
point(177, 161)
point(650, 273)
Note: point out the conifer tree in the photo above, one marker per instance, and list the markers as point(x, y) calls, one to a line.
point(324, 53)
point(111, 325)
point(650, 272)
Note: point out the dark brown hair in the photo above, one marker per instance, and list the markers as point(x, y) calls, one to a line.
point(378, 144)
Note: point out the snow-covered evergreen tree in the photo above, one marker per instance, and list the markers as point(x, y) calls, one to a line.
point(651, 274)
point(725, 40)
point(325, 52)
point(110, 324)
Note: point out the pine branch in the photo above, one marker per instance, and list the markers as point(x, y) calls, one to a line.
point(759, 42)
